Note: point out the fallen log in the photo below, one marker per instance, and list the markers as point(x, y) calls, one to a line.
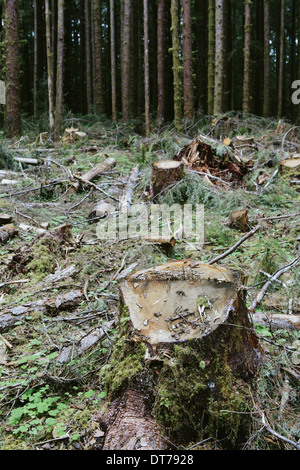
point(164, 175)
point(95, 172)
point(126, 198)
point(184, 351)
point(27, 161)
point(101, 210)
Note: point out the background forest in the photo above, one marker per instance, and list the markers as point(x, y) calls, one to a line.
point(117, 58)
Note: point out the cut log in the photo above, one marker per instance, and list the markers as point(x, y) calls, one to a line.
point(5, 219)
point(277, 321)
point(6, 232)
point(184, 351)
point(290, 168)
point(242, 140)
point(30, 228)
point(95, 172)
point(239, 220)
point(126, 198)
point(164, 175)
point(27, 161)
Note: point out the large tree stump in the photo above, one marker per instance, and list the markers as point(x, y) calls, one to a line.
point(165, 174)
point(185, 352)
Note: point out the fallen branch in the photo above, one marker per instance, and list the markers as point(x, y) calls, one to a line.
point(234, 247)
point(273, 278)
point(279, 436)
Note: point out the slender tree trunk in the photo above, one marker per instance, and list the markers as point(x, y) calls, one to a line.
point(227, 56)
point(13, 117)
point(113, 61)
point(247, 58)
point(219, 57)
point(35, 59)
point(60, 68)
point(146, 68)
point(266, 104)
point(176, 65)
point(281, 59)
point(188, 92)
point(49, 67)
point(98, 78)
point(211, 57)
point(88, 66)
point(161, 60)
point(126, 60)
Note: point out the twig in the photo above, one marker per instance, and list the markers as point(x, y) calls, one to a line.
point(273, 278)
point(279, 436)
point(234, 247)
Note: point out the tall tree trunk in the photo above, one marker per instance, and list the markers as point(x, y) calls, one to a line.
point(35, 59)
point(60, 68)
point(211, 57)
point(266, 104)
point(247, 58)
point(49, 67)
point(161, 60)
point(188, 92)
point(146, 68)
point(13, 116)
point(113, 61)
point(227, 56)
point(88, 65)
point(126, 60)
point(281, 59)
point(98, 78)
point(219, 57)
point(176, 65)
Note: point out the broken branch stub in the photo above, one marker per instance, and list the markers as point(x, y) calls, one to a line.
point(185, 343)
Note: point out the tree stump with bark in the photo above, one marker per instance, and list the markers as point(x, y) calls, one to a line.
point(184, 359)
point(165, 174)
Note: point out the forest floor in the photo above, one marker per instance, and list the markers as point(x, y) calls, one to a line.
point(56, 333)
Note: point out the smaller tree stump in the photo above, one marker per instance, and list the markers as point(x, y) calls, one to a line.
point(164, 174)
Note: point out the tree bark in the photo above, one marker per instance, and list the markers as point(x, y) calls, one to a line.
point(49, 68)
point(188, 92)
point(247, 58)
point(113, 61)
point(60, 69)
point(126, 60)
point(146, 69)
point(98, 78)
point(161, 60)
point(266, 104)
point(176, 65)
point(88, 65)
point(211, 57)
point(184, 352)
point(281, 59)
point(219, 57)
point(13, 112)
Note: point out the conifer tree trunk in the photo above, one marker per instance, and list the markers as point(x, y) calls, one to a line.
point(146, 68)
point(247, 58)
point(219, 57)
point(188, 91)
point(89, 95)
point(211, 57)
point(35, 59)
point(126, 60)
point(49, 67)
point(98, 79)
point(13, 117)
point(59, 73)
point(281, 59)
point(176, 64)
point(113, 61)
point(266, 104)
point(161, 60)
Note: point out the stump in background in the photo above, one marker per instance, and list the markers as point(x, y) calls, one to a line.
point(164, 175)
point(184, 352)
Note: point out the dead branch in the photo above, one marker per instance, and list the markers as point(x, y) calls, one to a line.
point(234, 247)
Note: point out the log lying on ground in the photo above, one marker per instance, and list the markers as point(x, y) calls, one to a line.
point(95, 172)
point(184, 351)
point(101, 210)
point(6, 232)
point(277, 321)
point(164, 175)
point(27, 161)
point(126, 198)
